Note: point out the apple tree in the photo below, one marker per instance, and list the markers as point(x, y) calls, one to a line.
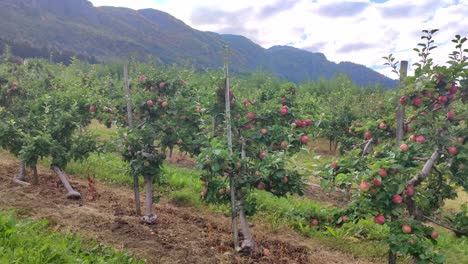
point(49, 119)
point(249, 149)
point(404, 186)
point(167, 115)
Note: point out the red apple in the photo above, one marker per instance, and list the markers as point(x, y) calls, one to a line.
point(182, 82)
point(13, 85)
point(344, 218)
point(397, 199)
point(314, 222)
point(250, 115)
point(376, 182)
point(383, 126)
point(246, 102)
point(417, 101)
point(92, 108)
point(413, 138)
point(299, 123)
point(403, 100)
point(304, 139)
point(409, 190)
point(383, 172)
point(406, 228)
point(285, 179)
point(358, 124)
point(379, 219)
point(264, 131)
point(443, 99)
point(262, 155)
point(404, 147)
point(364, 186)
point(161, 85)
point(453, 150)
point(368, 135)
point(284, 144)
point(434, 235)
point(334, 165)
point(283, 111)
point(437, 106)
point(261, 186)
point(460, 139)
point(248, 126)
point(164, 104)
point(150, 103)
point(203, 192)
point(450, 115)
point(142, 78)
point(453, 89)
point(239, 165)
point(420, 139)
point(308, 122)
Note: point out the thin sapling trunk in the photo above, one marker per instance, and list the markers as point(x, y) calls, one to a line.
point(136, 185)
point(149, 218)
point(35, 178)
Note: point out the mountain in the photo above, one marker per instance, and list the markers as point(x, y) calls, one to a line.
point(108, 33)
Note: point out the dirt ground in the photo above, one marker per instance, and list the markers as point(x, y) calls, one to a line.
point(181, 235)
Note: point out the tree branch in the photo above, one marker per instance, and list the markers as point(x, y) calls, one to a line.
point(420, 158)
point(367, 147)
point(442, 225)
point(416, 180)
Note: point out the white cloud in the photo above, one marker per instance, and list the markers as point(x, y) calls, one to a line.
point(360, 31)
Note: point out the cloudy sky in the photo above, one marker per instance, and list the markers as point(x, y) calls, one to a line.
point(361, 31)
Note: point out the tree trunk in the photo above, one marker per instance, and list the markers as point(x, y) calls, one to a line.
point(136, 191)
point(72, 194)
point(128, 97)
point(170, 151)
point(149, 218)
point(400, 108)
point(400, 115)
point(136, 185)
point(35, 179)
point(21, 177)
point(232, 182)
point(392, 257)
point(248, 244)
point(22, 173)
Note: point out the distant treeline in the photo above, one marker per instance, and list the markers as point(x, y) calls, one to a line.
point(27, 50)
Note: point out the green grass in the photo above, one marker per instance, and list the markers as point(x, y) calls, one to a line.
point(24, 241)
point(104, 133)
point(454, 249)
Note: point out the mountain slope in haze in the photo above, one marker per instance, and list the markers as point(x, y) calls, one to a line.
point(109, 33)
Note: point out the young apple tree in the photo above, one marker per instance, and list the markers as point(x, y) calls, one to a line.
point(403, 186)
point(167, 116)
point(249, 150)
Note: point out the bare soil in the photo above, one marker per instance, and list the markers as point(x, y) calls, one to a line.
point(181, 235)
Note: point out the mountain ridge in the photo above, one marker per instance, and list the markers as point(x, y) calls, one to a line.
point(109, 33)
